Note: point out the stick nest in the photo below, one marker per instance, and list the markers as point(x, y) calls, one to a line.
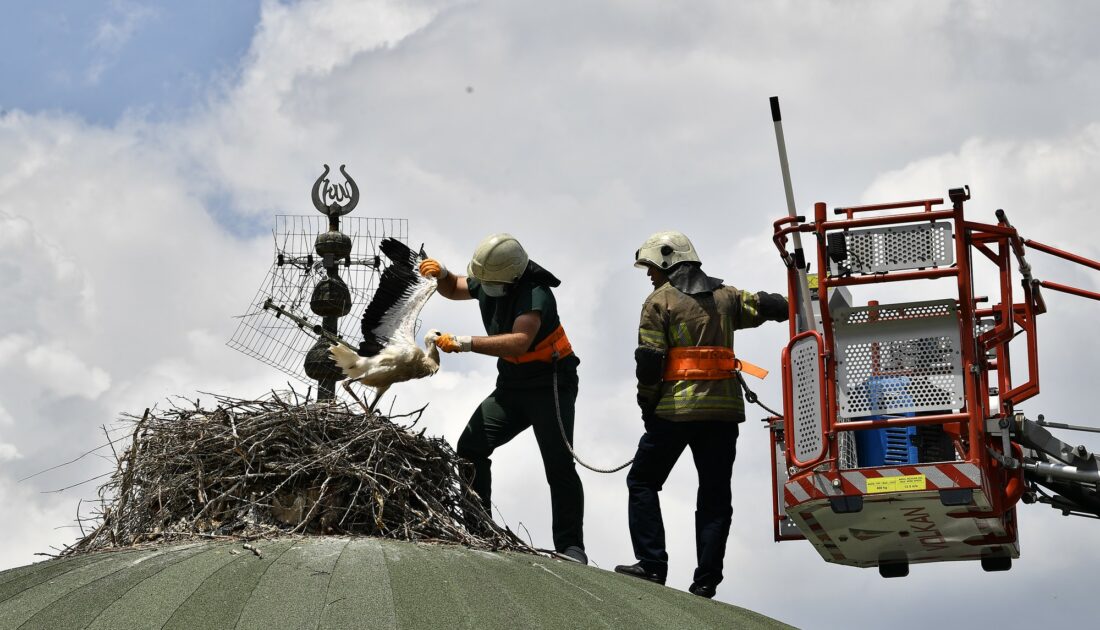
point(263, 468)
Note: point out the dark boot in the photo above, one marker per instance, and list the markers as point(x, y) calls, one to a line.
point(638, 571)
point(703, 590)
point(574, 553)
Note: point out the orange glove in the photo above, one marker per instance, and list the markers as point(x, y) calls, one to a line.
point(454, 343)
point(432, 268)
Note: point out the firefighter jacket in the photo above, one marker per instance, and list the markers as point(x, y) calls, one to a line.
point(672, 319)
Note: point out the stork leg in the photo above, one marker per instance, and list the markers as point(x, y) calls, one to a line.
point(378, 396)
point(347, 387)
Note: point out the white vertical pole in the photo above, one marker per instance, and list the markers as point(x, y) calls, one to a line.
point(806, 307)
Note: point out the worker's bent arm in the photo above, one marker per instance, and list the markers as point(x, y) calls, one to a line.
point(514, 343)
point(454, 287)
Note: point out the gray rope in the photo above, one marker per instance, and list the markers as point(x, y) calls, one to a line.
point(565, 438)
point(752, 398)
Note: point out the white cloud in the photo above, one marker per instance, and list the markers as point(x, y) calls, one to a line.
point(64, 373)
point(273, 114)
point(12, 347)
point(590, 125)
point(30, 261)
point(8, 452)
point(113, 33)
point(36, 527)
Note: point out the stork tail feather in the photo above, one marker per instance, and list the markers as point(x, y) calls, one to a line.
point(344, 357)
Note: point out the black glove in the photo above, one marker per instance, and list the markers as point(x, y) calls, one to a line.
point(649, 411)
point(772, 306)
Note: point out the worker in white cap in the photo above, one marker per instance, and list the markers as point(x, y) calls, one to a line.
point(525, 334)
point(690, 395)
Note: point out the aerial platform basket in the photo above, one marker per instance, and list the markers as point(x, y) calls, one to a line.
point(902, 439)
point(916, 377)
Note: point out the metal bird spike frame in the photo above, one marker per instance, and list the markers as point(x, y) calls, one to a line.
point(319, 275)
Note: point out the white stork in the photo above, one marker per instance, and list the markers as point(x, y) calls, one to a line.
point(388, 353)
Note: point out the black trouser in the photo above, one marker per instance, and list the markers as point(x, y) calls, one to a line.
point(501, 417)
point(713, 447)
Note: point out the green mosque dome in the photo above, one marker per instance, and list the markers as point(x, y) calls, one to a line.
point(342, 582)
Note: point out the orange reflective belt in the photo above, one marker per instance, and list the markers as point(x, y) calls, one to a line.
point(544, 351)
point(706, 363)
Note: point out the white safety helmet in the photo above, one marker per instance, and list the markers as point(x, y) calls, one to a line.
point(499, 259)
point(665, 250)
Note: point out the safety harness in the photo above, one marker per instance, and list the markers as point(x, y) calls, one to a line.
point(555, 346)
point(706, 363)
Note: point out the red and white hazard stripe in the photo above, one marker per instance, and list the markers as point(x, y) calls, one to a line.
point(937, 476)
point(943, 476)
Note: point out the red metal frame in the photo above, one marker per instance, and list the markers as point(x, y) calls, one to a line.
point(961, 271)
point(1081, 260)
point(1071, 290)
point(984, 356)
point(925, 203)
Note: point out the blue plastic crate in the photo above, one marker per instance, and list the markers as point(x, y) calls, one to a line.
point(887, 446)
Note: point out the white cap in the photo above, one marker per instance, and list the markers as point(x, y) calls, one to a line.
point(498, 258)
point(665, 250)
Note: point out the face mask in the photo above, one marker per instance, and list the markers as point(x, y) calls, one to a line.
point(494, 289)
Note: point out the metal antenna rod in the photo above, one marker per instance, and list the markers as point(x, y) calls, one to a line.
point(305, 324)
point(805, 306)
point(1060, 425)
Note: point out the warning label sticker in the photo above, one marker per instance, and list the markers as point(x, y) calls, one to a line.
point(896, 484)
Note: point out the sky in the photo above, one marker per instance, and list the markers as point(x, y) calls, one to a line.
point(145, 149)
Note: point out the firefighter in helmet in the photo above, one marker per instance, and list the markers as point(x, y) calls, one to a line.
point(526, 335)
point(690, 397)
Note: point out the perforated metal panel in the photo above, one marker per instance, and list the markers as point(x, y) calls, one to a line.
point(806, 416)
point(898, 358)
point(877, 250)
point(848, 456)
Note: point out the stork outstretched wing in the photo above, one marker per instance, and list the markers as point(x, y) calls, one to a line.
point(391, 316)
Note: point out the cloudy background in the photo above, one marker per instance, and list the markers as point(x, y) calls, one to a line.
point(145, 148)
